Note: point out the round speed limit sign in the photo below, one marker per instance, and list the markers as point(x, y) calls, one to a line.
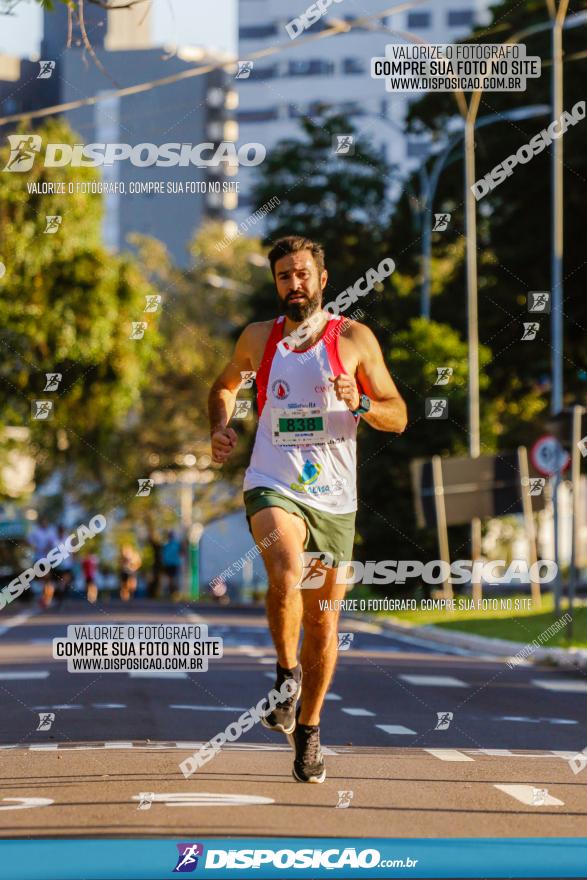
point(548, 456)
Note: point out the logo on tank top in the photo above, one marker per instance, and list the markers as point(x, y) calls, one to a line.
point(308, 477)
point(280, 389)
point(310, 473)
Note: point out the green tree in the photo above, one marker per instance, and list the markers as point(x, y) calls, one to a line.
point(67, 306)
point(337, 199)
point(514, 234)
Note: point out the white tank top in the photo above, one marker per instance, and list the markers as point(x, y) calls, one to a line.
point(305, 447)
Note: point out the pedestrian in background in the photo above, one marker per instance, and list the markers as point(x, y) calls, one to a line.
point(171, 556)
point(64, 573)
point(90, 570)
point(42, 538)
point(130, 562)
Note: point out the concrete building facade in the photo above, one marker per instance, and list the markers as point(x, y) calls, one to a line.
point(336, 70)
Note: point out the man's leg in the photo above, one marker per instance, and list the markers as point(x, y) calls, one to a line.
point(320, 645)
point(283, 563)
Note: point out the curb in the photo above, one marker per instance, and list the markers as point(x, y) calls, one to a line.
point(566, 658)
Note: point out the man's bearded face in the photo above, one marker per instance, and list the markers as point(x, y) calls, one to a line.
point(298, 285)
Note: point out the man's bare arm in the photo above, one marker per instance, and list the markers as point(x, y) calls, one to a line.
point(222, 399)
point(388, 411)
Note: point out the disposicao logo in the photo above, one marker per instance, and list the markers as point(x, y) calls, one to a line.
point(24, 147)
point(187, 860)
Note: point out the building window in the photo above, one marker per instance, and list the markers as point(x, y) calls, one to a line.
point(257, 31)
point(308, 67)
point(461, 17)
point(264, 72)
point(351, 108)
point(419, 20)
point(257, 115)
point(295, 111)
point(353, 65)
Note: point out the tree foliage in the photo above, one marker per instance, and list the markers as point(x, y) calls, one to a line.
point(67, 306)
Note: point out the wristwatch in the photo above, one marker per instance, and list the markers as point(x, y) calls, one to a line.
point(363, 407)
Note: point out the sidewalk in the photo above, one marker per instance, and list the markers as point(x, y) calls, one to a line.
point(570, 658)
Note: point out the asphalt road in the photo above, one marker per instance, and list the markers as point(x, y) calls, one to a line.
point(500, 768)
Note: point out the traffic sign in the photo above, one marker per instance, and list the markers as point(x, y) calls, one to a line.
point(548, 456)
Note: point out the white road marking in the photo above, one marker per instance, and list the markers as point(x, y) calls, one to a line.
point(395, 729)
point(209, 708)
point(44, 747)
point(109, 705)
point(23, 676)
point(434, 680)
point(449, 755)
point(358, 712)
point(496, 753)
point(157, 673)
point(25, 803)
point(525, 793)
point(118, 745)
point(208, 799)
point(15, 621)
point(504, 753)
point(563, 685)
point(527, 720)
point(60, 707)
point(332, 696)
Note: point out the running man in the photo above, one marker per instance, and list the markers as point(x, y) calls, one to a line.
point(301, 482)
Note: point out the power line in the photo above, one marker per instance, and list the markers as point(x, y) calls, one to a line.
point(207, 68)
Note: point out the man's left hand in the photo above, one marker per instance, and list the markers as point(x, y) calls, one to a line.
point(346, 389)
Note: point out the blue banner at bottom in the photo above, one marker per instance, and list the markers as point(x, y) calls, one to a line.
point(303, 857)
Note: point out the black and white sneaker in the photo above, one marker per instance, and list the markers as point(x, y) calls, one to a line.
point(283, 717)
point(308, 765)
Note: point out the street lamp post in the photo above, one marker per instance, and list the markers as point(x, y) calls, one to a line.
point(556, 271)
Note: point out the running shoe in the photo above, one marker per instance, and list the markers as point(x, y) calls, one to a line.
point(283, 717)
point(308, 765)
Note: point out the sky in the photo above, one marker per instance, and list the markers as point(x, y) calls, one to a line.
point(20, 33)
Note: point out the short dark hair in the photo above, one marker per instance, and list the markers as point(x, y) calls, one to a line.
point(291, 244)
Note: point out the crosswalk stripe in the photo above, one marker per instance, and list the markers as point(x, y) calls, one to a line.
point(59, 706)
point(395, 729)
point(15, 621)
point(449, 755)
point(525, 794)
point(563, 685)
point(497, 753)
point(23, 676)
point(233, 709)
point(358, 712)
point(434, 680)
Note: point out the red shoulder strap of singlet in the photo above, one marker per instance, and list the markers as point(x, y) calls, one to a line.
point(331, 343)
point(262, 377)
